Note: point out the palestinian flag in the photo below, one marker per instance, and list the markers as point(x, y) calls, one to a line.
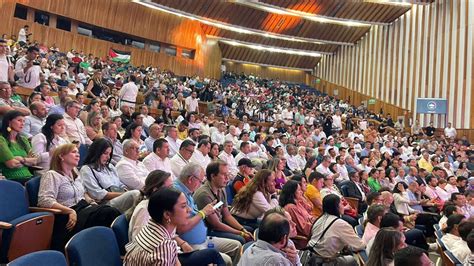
point(119, 56)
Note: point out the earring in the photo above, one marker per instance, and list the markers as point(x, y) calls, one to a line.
point(9, 129)
point(169, 220)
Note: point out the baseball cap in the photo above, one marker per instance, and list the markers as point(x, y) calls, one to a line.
point(246, 162)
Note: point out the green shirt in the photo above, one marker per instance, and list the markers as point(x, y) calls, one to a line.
point(8, 150)
point(374, 184)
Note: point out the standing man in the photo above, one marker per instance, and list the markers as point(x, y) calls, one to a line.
point(28, 69)
point(128, 93)
point(450, 132)
point(6, 66)
point(192, 103)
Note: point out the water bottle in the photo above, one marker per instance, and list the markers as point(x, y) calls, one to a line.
point(210, 244)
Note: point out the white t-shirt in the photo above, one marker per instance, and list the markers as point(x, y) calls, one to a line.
point(22, 35)
point(30, 79)
point(450, 132)
point(192, 104)
point(4, 64)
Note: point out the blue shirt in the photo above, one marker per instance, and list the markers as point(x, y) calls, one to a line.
point(57, 109)
point(198, 234)
point(412, 197)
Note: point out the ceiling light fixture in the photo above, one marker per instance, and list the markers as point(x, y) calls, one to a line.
point(235, 28)
point(270, 48)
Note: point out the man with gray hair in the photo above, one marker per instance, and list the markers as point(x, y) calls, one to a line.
point(195, 231)
point(131, 171)
point(7, 103)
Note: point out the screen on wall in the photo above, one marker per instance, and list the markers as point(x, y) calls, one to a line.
point(431, 106)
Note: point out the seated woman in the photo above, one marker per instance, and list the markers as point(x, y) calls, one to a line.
point(304, 185)
point(386, 243)
point(48, 140)
point(113, 107)
point(94, 125)
point(101, 180)
point(311, 164)
point(134, 131)
point(15, 149)
point(330, 234)
point(253, 200)
point(94, 106)
point(291, 198)
point(349, 214)
point(61, 188)
point(277, 165)
point(156, 243)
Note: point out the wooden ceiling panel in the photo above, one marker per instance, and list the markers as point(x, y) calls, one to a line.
point(247, 16)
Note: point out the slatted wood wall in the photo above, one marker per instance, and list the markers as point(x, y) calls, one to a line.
point(428, 52)
point(282, 74)
point(125, 17)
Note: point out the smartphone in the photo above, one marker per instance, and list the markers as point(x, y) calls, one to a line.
point(219, 204)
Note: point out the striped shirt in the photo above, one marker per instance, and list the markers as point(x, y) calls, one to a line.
point(152, 246)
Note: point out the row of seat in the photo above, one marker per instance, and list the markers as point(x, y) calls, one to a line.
point(25, 228)
point(447, 256)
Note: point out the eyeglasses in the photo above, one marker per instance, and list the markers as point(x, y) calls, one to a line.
point(200, 181)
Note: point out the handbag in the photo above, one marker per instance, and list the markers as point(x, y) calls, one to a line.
point(308, 256)
point(112, 188)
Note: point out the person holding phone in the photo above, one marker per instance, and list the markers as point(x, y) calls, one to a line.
point(221, 223)
point(273, 239)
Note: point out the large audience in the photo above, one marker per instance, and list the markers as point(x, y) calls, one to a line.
point(200, 167)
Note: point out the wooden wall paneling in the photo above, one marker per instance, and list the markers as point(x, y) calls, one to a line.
point(428, 52)
point(170, 29)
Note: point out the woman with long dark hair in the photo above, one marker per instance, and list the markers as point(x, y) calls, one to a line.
point(166, 116)
point(291, 198)
point(311, 164)
point(331, 234)
point(112, 104)
point(143, 214)
point(101, 180)
point(43, 144)
point(254, 199)
point(15, 148)
point(386, 243)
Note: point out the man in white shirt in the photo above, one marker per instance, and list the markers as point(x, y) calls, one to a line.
point(173, 141)
point(323, 167)
point(451, 187)
point(291, 159)
point(23, 35)
point(183, 156)
point(219, 135)
point(287, 116)
point(341, 169)
point(387, 148)
point(35, 121)
point(128, 93)
point(226, 156)
point(75, 130)
point(337, 121)
point(147, 119)
point(232, 135)
point(131, 171)
point(450, 132)
point(28, 69)
point(262, 151)
point(245, 149)
point(192, 103)
point(7, 103)
point(155, 132)
point(6, 67)
point(158, 159)
point(201, 154)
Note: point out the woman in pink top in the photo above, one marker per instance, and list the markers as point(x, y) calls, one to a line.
point(291, 198)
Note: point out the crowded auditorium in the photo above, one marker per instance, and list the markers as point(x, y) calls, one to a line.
point(211, 132)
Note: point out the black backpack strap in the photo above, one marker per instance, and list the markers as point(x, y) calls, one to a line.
point(327, 228)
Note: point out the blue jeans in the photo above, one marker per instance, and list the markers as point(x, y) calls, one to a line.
point(202, 257)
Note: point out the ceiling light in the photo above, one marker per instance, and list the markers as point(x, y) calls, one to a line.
point(271, 48)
